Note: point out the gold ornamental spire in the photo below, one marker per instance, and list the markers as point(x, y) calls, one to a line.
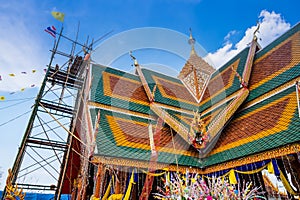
point(192, 42)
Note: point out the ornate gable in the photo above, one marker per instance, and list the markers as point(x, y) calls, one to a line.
point(195, 73)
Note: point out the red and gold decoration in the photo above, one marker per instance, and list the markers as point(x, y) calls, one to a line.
point(13, 192)
point(198, 132)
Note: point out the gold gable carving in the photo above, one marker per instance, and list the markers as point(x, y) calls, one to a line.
point(195, 74)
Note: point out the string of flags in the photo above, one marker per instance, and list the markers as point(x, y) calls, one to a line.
point(22, 72)
point(2, 98)
point(52, 31)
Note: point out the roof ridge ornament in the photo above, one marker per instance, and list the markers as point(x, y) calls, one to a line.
point(256, 31)
point(243, 83)
point(134, 59)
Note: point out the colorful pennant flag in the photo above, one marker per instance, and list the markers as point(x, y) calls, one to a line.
point(232, 178)
point(270, 168)
point(51, 30)
point(58, 15)
point(2, 98)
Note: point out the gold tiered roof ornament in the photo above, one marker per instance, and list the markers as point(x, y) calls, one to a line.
point(196, 72)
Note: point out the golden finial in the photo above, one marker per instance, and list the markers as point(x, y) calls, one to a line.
point(134, 59)
point(192, 41)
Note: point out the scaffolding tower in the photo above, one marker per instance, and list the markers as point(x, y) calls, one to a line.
point(48, 144)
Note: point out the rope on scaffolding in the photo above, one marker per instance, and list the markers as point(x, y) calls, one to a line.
point(77, 138)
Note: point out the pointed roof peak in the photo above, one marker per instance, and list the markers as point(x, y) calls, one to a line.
point(191, 39)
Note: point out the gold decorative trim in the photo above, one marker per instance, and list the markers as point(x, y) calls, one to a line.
point(120, 110)
point(181, 110)
point(172, 122)
point(289, 149)
point(218, 124)
point(249, 62)
point(143, 164)
point(214, 106)
point(144, 82)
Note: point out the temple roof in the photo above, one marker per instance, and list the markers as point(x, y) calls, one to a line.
point(264, 120)
point(276, 64)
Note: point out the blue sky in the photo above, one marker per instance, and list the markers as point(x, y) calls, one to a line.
point(222, 28)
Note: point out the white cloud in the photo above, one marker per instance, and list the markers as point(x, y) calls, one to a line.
point(272, 25)
point(20, 47)
point(231, 33)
